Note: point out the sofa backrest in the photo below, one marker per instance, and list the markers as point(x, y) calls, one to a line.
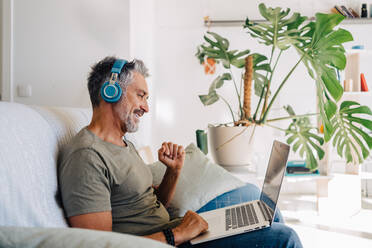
point(30, 137)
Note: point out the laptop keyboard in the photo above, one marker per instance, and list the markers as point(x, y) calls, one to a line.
point(267, 212)
point(240, 216)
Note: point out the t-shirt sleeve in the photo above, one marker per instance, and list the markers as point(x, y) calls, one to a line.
point(84, 184)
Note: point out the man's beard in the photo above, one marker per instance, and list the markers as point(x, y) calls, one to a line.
point(130, 125)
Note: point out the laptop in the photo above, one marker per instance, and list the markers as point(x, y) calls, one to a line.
point(253, 215)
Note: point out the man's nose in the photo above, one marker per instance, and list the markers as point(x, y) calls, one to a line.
point(145, 107)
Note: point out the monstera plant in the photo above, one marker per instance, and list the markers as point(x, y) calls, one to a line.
point(319, 44)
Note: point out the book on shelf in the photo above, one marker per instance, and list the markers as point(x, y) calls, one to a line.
point(298, 168)
point(343, 10)
point(354, 13)
point(348, 14)
point(340, 10)
point(336, 10)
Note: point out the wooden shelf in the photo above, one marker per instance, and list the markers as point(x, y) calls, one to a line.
point(357, 21)
point(357, 93)
point(359, 51)
point(235, 23)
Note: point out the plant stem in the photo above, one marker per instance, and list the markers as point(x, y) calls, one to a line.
point(241, 83)
point(263, 120)
point(236, 89)
point(292, 117)
point(228, 105)
point(269, 83)
point(237, 93)
point(281, 129)
point(263, 88)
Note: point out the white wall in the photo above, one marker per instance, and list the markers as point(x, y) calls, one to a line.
point(1, 50)
point(180, 78)
point(56, 42)
point(141, 37)
point(6, 49)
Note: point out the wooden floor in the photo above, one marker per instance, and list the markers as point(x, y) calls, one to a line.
point(320, 231)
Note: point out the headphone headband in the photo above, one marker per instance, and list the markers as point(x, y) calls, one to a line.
point(118, 65)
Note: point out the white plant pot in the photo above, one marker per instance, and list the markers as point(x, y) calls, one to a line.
point(231, 146)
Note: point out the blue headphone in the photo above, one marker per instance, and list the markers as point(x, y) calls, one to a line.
point(111, 90)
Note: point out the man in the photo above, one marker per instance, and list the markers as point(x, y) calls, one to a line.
point(104, 183)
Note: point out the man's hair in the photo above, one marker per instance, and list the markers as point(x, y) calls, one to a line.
point(101, 73)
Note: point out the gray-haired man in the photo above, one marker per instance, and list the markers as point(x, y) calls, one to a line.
point(104, 183)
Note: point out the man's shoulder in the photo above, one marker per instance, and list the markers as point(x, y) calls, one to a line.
point(83, 139)
point(82, 143)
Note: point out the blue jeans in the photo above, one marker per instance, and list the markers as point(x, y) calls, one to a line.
point(277, 235)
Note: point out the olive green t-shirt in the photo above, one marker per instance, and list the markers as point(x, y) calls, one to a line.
point(96, 176)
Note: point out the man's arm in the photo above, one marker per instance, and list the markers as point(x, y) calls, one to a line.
point(191, 226)
point(165, 191)
point(173, 157)
point(85, 190)
point(98, 221)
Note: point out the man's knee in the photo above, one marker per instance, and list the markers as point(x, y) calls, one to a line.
point(288, 237)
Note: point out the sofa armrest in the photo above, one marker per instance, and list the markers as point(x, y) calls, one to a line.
point(70, 237)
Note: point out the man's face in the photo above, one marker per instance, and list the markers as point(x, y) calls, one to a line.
point(134, 105)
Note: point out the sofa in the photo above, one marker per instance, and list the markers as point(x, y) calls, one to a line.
point(31, 214)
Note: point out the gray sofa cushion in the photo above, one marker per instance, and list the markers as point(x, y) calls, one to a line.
point(36, 237)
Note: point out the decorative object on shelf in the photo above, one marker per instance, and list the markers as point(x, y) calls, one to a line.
point(358, 47)
point(364, 12)
point(320, 48)
point(363, 83)
point(348, 85)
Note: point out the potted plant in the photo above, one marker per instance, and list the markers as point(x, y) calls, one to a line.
point(320, 48)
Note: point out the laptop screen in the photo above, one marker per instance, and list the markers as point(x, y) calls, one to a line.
point(274, 175)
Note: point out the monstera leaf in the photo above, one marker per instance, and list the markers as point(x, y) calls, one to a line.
point(302, 136)
point(218, 50)
point(352, 142)
point(320, 46)
point(212, 96)
point(259, 68)
point(322, 56)
point(280, 32)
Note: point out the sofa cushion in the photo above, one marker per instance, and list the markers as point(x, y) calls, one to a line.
point(28, 153)
point(65, 122)
point(70, 238)
point(200, 181)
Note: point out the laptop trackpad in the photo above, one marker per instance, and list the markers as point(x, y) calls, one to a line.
point(214, 221)
point(216, 224)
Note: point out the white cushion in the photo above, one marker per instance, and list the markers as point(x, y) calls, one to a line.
point(28, 153)
point(200, 182)
point(65, 122)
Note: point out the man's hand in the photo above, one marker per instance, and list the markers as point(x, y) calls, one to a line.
point(172, 155)
point(191, 226)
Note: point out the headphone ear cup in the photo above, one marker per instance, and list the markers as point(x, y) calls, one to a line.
point(111, 92)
